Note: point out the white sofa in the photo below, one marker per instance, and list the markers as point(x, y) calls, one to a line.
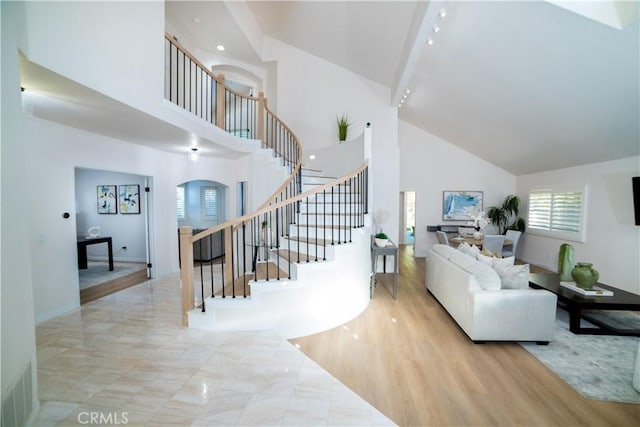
point(470, 291)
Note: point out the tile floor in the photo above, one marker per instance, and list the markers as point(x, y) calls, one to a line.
point(125, 359)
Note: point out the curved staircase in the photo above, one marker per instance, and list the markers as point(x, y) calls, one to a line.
point(315, 278)
point(300, 263)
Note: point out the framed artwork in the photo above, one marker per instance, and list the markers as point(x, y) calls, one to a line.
point(461, 205)
point(129, 198)
point(107, 200)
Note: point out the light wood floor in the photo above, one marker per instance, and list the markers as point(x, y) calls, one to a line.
point(411, 361)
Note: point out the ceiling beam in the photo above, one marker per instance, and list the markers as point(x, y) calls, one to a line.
point(426, 15)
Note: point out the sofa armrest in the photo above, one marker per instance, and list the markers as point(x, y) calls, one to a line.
point(513, 314)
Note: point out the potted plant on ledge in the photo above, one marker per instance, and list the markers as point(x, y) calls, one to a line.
point(343, 126)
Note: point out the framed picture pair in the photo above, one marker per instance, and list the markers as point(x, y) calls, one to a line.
point(112, 196)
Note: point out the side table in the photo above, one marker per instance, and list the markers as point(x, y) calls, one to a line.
point(392, 250)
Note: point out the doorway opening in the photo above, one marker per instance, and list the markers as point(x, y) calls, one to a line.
point(407, 217)
point(112, 228)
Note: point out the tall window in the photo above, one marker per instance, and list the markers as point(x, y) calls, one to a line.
point(558, 212)
point(180, 202)
point(209, 202)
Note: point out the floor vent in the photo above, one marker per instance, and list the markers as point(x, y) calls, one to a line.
point(17, 406)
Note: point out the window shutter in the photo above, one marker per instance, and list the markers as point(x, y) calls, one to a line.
point(540, 210)
point(566, 212)
point(180, 202)
point(558, 213)
point(210, 202)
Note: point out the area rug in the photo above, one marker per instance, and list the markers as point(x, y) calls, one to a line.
point(597, 366)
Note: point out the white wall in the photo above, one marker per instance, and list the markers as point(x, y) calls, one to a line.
point(54, 151)
point(430, 165)
point(125, 229)
point(612, 241)
point(115, 48)
point(312, 92)
point(18, 344)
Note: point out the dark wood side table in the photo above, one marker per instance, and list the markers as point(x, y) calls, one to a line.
point(83, 242)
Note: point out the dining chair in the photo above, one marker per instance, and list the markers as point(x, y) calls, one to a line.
point(442, 237)
point(493, 243)
point(514, 236)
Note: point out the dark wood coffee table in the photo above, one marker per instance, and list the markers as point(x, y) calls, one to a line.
point(575, 303)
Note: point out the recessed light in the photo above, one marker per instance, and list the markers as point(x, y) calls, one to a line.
point(429, 41)
point(443, 12)
point(220, 47)
point(436, 28)
point(196, 20)
point(312, 157)
point(408, 91)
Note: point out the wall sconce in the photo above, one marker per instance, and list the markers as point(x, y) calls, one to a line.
point(194, 154)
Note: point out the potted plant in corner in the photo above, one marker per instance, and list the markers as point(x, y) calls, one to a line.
point(381, 239)
point(343, 126)
point(501, 215)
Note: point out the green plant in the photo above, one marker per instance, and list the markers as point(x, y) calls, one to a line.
point(343, 126)
point(381, 236)
point(502, 216)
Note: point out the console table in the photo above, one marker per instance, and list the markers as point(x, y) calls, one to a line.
point(376, 250)
point(83, 242)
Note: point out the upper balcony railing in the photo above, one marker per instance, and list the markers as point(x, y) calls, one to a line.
point(190, 85)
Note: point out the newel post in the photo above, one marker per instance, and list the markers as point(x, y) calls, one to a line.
point(220, 103)
point(186, 273)
point(262, 112)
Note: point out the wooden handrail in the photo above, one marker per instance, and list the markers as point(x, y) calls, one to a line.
point(235, 223)
point(193, 58)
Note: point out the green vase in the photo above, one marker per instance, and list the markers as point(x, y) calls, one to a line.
point(565, 262)
point(585, 275)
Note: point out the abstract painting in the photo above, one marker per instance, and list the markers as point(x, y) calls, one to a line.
point(461, 205)
point(107, 200)
point(129, 199)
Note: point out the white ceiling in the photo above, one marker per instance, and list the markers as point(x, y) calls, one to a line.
point(526, 85)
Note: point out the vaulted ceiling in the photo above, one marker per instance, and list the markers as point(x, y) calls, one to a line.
point(527, 85)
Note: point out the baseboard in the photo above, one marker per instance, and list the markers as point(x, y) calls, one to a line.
point(18, 400)
point(58, 312)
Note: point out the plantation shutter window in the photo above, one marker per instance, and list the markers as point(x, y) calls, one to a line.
point(209, 198)
point(558, 213)
point(180, 202)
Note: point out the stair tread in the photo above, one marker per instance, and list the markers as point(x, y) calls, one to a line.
point(330, 213)
point(337, 227)
point(319, 242)
point(292, 256)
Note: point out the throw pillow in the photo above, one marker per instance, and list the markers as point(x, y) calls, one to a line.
point(485, 259)
point(469, 250)
point(487, 252)
point(499, 264)
point(515, 277)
